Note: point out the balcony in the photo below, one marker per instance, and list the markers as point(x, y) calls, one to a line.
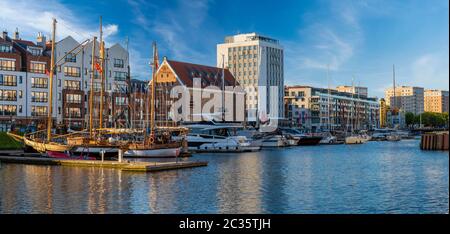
point(35, 99)
point(36, 114)
point(8, 83)
point(40, 86)
point(7, 98)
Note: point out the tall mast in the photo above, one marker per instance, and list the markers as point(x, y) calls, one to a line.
point(102, 74)
point(394, 105)
point(132, 108)
point(328, 104)
point(223, 87)
point(91, 98)
point(50, 100)
point(152, 101)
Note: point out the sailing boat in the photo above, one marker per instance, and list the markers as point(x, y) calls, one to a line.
point(36, 140)
point(354, 138)
point(159, 142)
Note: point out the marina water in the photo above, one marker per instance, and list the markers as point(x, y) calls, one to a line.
point(376, 177)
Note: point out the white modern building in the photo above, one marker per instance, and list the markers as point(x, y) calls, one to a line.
point(74, 82)
point(257, 63)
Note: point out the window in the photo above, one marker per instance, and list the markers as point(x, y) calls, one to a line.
point(35, 51)
point(8, 110)
point(73, 98)
point(8, 95)
point(118, 63)
point(38, 82)
point(71, 58)
point(72, 71)
point(120, 76)
point(73, 112)
point(8, 80)
point(121, 101)
point(5, 48)
point(38, 110)
point(39, 96)
point(72, 85)
point(7, 65)
point(37, 67)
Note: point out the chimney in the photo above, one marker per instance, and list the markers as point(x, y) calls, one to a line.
point(4, 34)
point(16, 34)
point(40, 40)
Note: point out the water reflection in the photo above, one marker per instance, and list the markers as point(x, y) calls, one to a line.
point(393, 177)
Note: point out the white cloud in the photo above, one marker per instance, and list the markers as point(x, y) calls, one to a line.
point(31, 17)
point(431, 71)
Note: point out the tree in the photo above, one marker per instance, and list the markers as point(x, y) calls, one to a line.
point(409, 119)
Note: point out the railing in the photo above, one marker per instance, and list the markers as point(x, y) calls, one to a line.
point(34, 99)
point(72, 74)
point(8, 98)
point(38, 113)
point(8, 68)
point(10, 113)
point(39, 86)
point(8, 83)
point(37, 71)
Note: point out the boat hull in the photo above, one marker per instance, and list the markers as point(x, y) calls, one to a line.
point(44, 147)
point(310, 140)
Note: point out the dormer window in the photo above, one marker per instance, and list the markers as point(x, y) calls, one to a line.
point(35, 51)
point(5, 48)
point(71, 58)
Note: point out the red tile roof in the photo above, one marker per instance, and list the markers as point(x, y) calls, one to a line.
point(209, 75)
point(24, 42)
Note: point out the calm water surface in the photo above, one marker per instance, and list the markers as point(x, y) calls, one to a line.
point(377, 177)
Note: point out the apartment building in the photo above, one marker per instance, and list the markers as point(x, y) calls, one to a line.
point(73, 78)
point(436, 101)
point(319, 109)
point(24, 82)
point(257, 62)
point(23, 71)
point(357, 90)
point(406, 98)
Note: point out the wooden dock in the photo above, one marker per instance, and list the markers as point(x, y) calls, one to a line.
point(434, 141)
point(125, 165)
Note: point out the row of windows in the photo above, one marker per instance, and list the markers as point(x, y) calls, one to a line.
point(9, 80)
point(37, 67)
point(8, 110)
point(8, 95)
point(242, 48)
point(5, 48)
point(39, 82)
point(39, 96)
point(38, 111)
point(7, 65)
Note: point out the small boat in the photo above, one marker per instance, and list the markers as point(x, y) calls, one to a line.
point(302, 138)
point(393, 137)
point(357, 139)
point(217, 138)
point(153, 153)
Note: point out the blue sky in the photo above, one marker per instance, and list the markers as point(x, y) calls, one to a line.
point(360, 39)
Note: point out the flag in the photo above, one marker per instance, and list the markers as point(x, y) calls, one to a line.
point(98, 67)
point(47, 72)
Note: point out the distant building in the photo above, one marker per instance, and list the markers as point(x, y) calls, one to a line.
point(406, 98)
point(383, 113)
point(436, 101)
point(327, 109)
point(357, 90)
point(256, 62)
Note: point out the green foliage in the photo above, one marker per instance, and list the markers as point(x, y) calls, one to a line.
point(430, 119)
point(409, 118)
point(7, 143)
